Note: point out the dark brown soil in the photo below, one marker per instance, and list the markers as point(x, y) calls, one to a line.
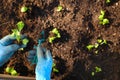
point(79, 26)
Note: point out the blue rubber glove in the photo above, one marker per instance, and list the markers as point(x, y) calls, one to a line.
point(7, 49)
point(44, 63)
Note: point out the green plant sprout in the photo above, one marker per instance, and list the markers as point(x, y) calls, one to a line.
point(24, 9)
point(96, 45)
point(17, 33)
point(90, 47)
point(97, 70)
point(108, 1)
point(103, 20)
point(59, 8)
point(56, 35)
point(25, 41)
point(11, 71)
point(54, 68)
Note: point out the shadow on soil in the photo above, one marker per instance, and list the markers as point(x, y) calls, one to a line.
point(78, 72)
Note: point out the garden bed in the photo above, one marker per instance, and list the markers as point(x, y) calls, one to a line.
point(79, 27)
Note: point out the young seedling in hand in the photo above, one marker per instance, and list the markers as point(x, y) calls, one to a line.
point(17, 33)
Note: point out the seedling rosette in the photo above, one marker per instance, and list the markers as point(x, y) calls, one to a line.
point(96, 45)
point(17, 33)
point(55, 34)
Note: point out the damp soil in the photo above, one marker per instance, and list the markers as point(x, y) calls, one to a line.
point(78, 25)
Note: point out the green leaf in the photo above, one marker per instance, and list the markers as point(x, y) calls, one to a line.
point(51, 39)
point(102, 12)
point(96, 45)
point(89, 47)
point(93, 73)
point(20, 25)
point(25, 41)
point(108, 1)
point(96, 52)
point(55, 70)
point(18, 37)
point(105, 21)
point(8, 69)
point(55, 31)
point(53, 65)
point(14, 73)
point(99, 40)
point(101, 17)
point(24, 9)
point(98, 69)
point(59, 8)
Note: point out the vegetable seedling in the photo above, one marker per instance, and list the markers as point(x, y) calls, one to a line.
point(97, 70)
point(24, 9)
point(17, 33)
point(96, 45)
point(59, 8)
point(103, 20)
point(54, 68)
point(11, 71)
point(55, 34)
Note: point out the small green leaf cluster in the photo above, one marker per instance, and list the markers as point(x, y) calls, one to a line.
point(11, 71)
point(108, 1)
point(24, 9)
point(17, 33)
point(96, 45)
point(56, 35)
point(59, 8)
point(97, 70)
point(102, 18)
point(54, 68)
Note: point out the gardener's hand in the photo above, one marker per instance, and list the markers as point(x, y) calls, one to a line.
point(7, 49)
point(44, 63)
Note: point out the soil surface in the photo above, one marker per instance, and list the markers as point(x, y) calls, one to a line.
point(78, 25)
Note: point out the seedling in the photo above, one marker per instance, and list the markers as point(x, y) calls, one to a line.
point(54, 68)
point(108, 1)
point(97, 70)
point(24, 9)
point(54, 35)
point(17, 33)
point(96, 45)
point(90, 47)
point(11, 71)
point(103, 20)
point(59, 8)
point(25, 41)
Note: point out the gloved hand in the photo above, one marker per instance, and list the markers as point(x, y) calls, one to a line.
point(7, 49)
point(44, 63)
